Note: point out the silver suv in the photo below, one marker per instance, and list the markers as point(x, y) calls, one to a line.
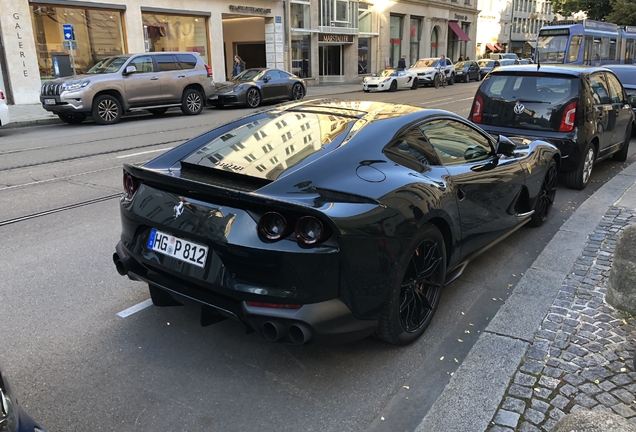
point(131, 82)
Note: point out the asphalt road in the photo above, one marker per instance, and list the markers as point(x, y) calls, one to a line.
point(77, 366)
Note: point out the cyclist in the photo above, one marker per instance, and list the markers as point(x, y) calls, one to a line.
point(440, 77)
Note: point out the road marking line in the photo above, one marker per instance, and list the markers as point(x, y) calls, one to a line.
point(144, 152)
point(134, 309)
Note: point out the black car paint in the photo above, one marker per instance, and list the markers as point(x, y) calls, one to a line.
point(470, 70)
point(372, 205)
point(14, 416)
point(592, 123)
point(273, 85)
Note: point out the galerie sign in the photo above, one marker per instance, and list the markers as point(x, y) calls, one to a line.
point(18, 31)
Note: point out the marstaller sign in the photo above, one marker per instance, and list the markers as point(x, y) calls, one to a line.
point(339, 38)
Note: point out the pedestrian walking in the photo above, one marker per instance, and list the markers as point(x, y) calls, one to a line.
point(402, 62)
point(239, 65)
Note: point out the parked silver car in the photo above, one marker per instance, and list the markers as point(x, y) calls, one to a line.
point(131, 82)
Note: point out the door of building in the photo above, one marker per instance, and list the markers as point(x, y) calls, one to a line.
point(253, 54)
point(330, 58)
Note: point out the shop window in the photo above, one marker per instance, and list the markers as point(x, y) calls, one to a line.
point(396, 39)
point(176, 33)
point(434, 41)
point(364, 55)
point(98, 34)
point(300, 54)
point(415, 34)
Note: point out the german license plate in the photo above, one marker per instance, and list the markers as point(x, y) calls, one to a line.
point(49, 101)
point(178, 248)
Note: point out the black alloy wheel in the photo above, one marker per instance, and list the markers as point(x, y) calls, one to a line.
point(192, 102)
point(106, 110)
point(621, 155)
point(415, 84)
point(158, 111)
point(580, 177)
point(418, 279)
point(545, 200)
point(451, 80)
point(253, 97)
point(297, 92)
point(72, 118)
point(393, 86)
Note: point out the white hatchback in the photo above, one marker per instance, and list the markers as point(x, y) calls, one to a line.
point(4, 110)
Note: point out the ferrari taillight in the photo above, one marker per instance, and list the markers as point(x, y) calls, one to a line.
point(568, 117)
point(131, 184)
point(475, 112)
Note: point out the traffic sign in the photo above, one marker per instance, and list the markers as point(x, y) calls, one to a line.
point(69, 34)
point(69, 45)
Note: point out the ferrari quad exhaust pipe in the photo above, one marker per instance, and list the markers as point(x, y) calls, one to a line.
point(119, 265)
point(273, 330)
point(299, 333)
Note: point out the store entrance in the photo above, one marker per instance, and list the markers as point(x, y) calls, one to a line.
point(330, 58)
point(253, 54)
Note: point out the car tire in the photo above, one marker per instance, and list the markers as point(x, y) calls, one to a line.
point(451, 81)
point(580, 177)
point(545, 200)
point(192, 102)
point(72, 118)
point(253, 97)
point(393, 86)
point(366, 91)
point(158, 111)
point(297, 92)
point(106, 110)
point(423, 260)
point(415, 85)
point(621, 155)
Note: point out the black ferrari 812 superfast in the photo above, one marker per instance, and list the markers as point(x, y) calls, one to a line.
point(328, 221)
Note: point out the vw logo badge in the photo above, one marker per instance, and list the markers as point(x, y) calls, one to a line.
point(519, 108)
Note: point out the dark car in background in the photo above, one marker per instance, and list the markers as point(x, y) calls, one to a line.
point(584, 111)
point(12, 416)
point(485, 66)
point(257, 85)
point(627, 76)
point(327, 221)
point(466, 71)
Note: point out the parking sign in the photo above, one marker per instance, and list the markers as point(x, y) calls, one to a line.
point(69, 34)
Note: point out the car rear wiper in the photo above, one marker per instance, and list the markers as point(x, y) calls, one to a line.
point(532, 101)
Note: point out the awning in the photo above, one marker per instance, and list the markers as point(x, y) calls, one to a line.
point(490, 47)
point(458, 31)
point(498, 47)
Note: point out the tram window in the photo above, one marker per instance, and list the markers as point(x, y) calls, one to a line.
point(605, 49)
point(573, 50)
point(612, 49)
point(587, 50)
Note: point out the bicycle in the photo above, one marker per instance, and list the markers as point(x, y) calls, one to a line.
point(440, 78)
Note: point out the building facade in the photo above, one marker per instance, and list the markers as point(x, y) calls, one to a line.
point(320, 40)
point(511, 26)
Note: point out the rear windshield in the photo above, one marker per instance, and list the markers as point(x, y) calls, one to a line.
point(542, 97)
point(273, 144)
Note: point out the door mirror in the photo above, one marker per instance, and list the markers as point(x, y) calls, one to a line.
point(130, 70)
point(632, 100)
point(505, 146)
point(266, 78)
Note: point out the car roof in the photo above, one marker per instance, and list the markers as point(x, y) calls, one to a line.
point(551, 69)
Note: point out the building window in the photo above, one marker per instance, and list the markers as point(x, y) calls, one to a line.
point(338, 13)
point(396, 39)
point(176, 33)
point(299, 16)
point(415, 34)
point(98, 34)
point(364, 18)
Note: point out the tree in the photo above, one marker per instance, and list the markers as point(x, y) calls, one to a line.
point(595, 9)
point(623, 12)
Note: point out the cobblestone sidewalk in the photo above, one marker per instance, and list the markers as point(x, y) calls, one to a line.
point(581, 356)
